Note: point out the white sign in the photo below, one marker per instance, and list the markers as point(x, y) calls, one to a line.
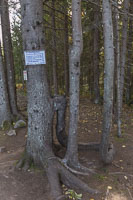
point(35, 57)
point(25, 75)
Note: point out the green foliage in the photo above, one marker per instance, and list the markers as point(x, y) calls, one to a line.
point(73, 195)
point(6, 125)
point(17, 50)
point(100, 177)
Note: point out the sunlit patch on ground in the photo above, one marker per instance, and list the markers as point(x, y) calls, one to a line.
point(116, 196)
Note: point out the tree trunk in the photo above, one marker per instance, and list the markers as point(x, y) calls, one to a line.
point(66, 64)
point(121, 61)
point(117, 64)
point(39, 102)
point(54, 53)
point(130, 57)
point(74, 75)
point(123, 47)
point(5, 113)
point(8, 56)
point(106, 148)
point(96, 54)
point(40, 107)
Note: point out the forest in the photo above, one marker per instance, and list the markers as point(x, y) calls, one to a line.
point(66, 99)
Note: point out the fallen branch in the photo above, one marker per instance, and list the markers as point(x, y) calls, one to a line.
point(120, 173)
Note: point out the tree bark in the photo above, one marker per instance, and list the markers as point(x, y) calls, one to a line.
point(66, 59)
point(130, 57)
point(8, 56)
point(106, 148)
point(40, 108)
point(74, 74)
point(117, 64)
point(123, 47)
point(60, 104)
point(54, 53)
point(121, 61)
point(39, 103)
point(5, 112)
point(96, 54)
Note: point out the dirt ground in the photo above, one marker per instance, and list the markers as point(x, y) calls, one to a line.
point(114, 181)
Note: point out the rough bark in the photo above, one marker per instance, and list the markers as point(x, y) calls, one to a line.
point(40, 107)
point(5, 113)
point(106, 148)
point(39, 104)
point(117, 64)
point(96, 54)
point(8, 56)
point(54, 53)
point(60, 104)
point(74, 74)
point(121, 61)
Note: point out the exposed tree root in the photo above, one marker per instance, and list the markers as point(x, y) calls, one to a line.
point(96, 147)
point(57, 172)
point(62, 139)
point(89, 146)
point(77, 168)
point(24, 163)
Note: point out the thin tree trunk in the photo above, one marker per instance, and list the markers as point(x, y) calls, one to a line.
point(74, 74)
point(123, 46)
point(130, 57)
point(54, 53)
point(106, 149)
point(5, 112)
point(66, 59)
point(8, 56)
point(121, 65)
point(117, 64)
point(96, 54)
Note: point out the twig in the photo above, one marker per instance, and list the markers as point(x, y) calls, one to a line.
point(120, 173)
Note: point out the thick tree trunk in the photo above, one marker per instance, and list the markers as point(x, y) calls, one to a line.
point(8, 56)
point(39, 103)
point(40, 107)
point(74, 74)
point(5, 113)
point(54, 53)
point(96, 54)
point(106, 148)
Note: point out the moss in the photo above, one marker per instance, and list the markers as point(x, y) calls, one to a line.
point(6, 125)
point(22, 124)
point(19, 124)
point(100, 177)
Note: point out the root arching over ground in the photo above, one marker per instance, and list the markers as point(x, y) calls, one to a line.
point(58, 173)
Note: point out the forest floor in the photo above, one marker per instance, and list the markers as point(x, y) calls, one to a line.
point(114, 181)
